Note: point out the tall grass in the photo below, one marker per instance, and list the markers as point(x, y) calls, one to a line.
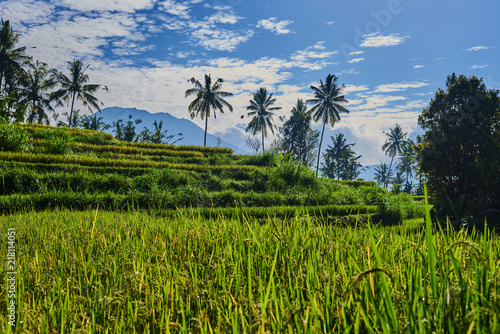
point(107, 272)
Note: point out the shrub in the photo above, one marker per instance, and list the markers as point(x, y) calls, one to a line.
point(14, 138)
point(59, 143)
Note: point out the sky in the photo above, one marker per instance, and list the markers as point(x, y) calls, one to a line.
point(391, 55)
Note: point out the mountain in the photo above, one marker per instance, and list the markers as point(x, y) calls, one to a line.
point(192, 134)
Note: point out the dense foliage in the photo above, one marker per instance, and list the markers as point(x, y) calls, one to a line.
point(461, 147)
point(99, 272)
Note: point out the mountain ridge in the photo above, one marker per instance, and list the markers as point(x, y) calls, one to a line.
point(192, 134)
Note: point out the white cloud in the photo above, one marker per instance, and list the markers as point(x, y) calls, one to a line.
point(355, 53)
point(350, 71)
point(418, 66)
point(377, 40)
point(26, 11)
point(477, 48)
point(178, 9)
point(355, 60)
point(310, 53)
point(83, 37)
point(372, 102)
point(397, 87)
point(221, 17)
point(127, 6)
point(354, 88)
point(277, 28)
point(475, 67)
point(220, 39)
point(314, 57)
point(330, 23)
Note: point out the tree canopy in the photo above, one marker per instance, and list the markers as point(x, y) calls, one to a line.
point(299, 139)
point(461, 146)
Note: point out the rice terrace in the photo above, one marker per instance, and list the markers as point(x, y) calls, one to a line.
point(118, 225)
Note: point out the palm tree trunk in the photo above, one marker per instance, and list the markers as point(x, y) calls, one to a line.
point(71, 111)
point(391, 162)
point(319, 150)
point(206, 126)
point(262, 141)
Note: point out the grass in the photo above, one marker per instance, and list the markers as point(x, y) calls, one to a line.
point(227, 244)
point(100, 272)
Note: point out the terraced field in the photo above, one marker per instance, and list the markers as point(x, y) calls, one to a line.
point(82, 169)
point(113, 237)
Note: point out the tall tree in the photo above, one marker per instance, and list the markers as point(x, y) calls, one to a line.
point(299, 139)
point(73, 121)
point(341, 161)
point(75, 87)
point(261, 107)
point(383, 174)
point(328, 104)
point(407, 162)
point(11, 57)
point(33, 93)
point(158, 136)
point(94, 123)
point(208, 97)
point(129, 133)
point(253, 144)
point(461, 146)
point(394, 143)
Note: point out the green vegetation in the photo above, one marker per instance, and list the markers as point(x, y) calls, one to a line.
point(66, 170)
point(460, 150)
point(128, 234)
point(100, 272)
point(260, 110)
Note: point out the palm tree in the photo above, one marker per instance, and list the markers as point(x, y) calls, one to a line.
point(407, 160)
point(394, 143)
point(11, 58)
point(383, 175)
point(158, 136)
point(261, 107)
point(94, 123)
point(74, 121)
point(34, 92)
point(208, 97)
point(340, 160)
point(76, 88)
point(328, 100)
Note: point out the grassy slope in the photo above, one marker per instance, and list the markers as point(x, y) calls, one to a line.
point(226, 260)
point(81, 169)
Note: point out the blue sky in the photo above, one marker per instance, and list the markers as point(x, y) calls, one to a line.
point(392, 55)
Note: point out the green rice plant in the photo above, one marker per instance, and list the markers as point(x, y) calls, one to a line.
point(139, 150)
point(94, 162)
point(206, 150)
point(39, 131)
point(266, 159)
point(59, 143)
point(14, 138)
point(98, 271)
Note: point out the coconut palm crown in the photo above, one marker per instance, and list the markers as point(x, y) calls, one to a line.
point(260, 109)
point(75, 87)
point(328, 104)
point(208, 97)
point(396, 139)
point(11, 56)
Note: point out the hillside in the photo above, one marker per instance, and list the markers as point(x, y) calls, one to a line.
point(192, 133)
point(82, 169)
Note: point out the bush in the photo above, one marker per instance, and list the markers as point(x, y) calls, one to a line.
point(59, 143)
point(288, 175)
point(14, 138)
